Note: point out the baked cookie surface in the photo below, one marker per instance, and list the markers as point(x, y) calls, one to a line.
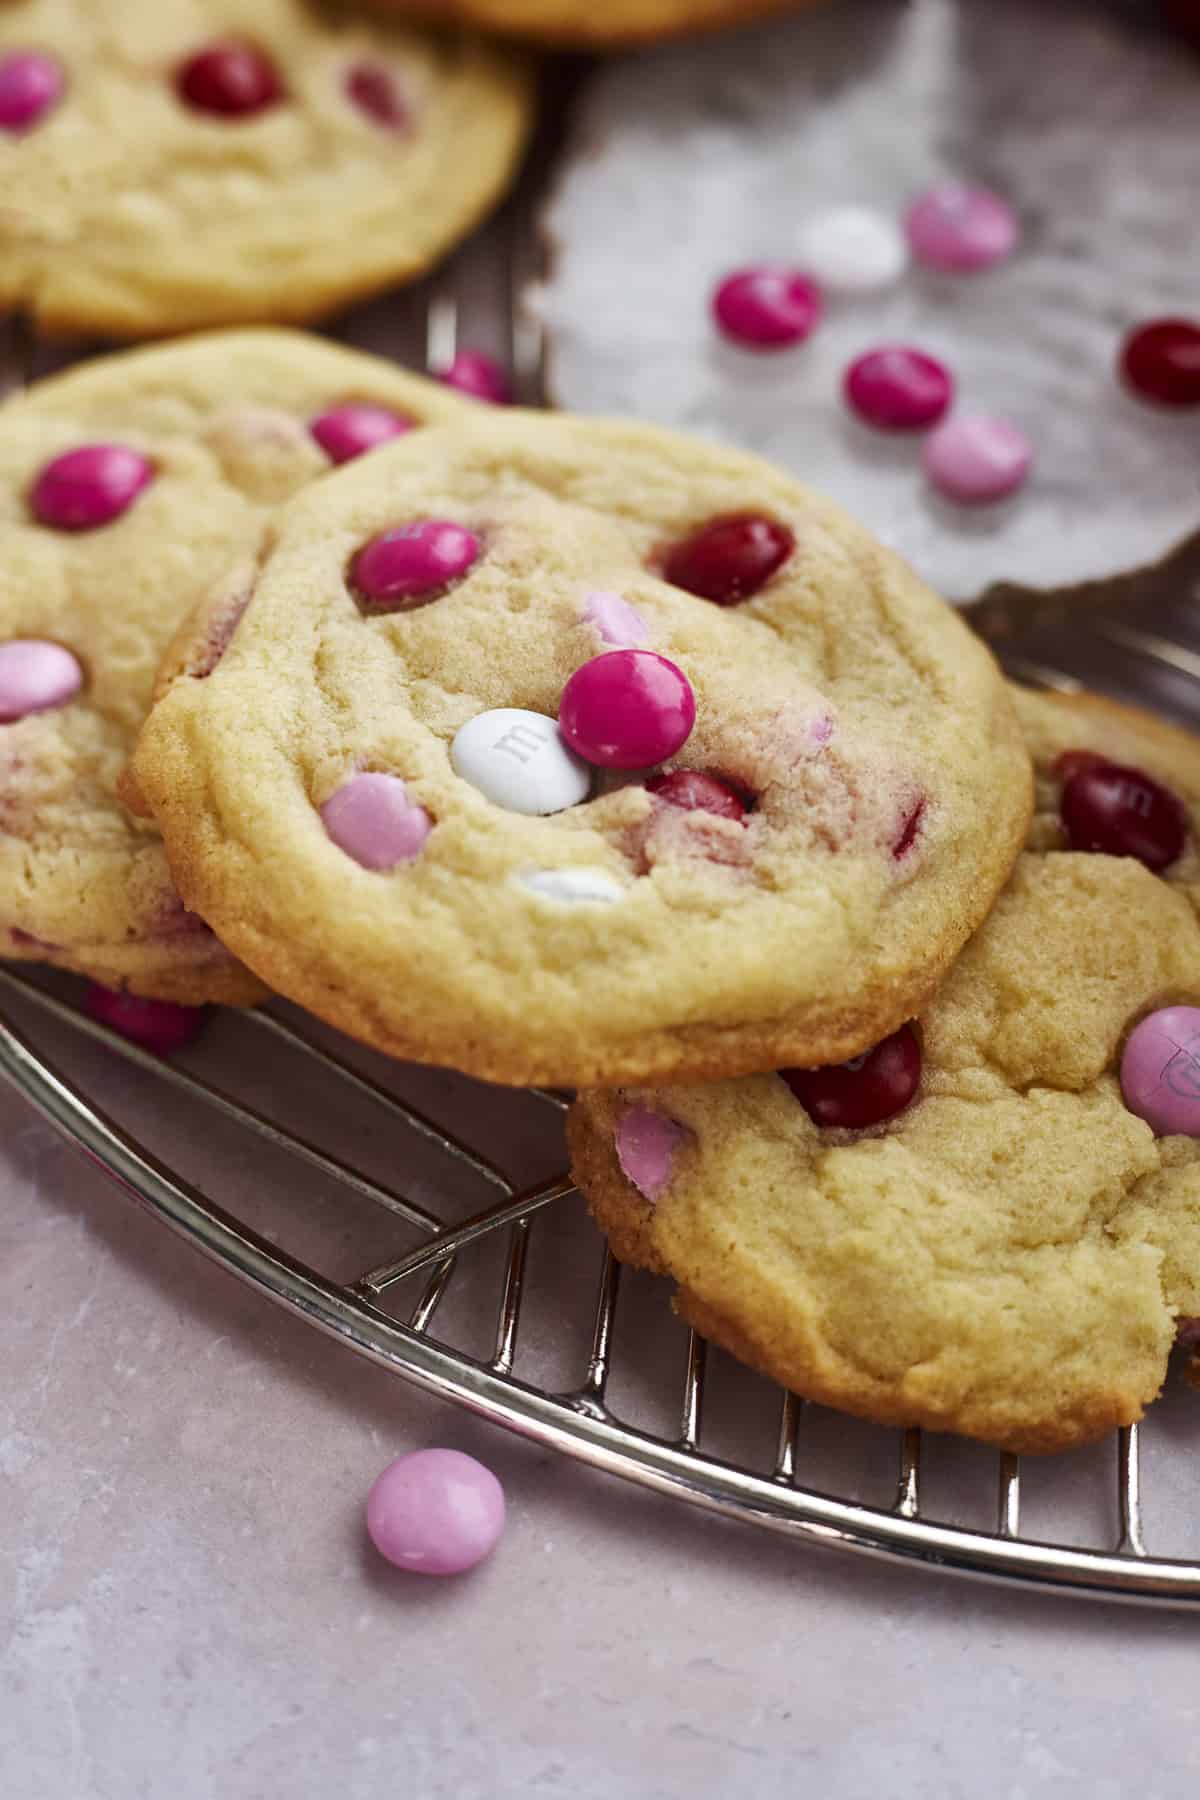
point(128, 487)
point(1007, 1256)
point(371, 799)
point(210, 163)
point(584, 22)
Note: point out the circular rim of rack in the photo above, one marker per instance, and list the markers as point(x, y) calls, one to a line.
point(576, 1424)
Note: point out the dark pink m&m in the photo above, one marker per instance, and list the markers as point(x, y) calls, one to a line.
point(867, 1090)
point(89, 487)
point(157, 1025)
point(30, 84)
point(1119, 811)
point(413, 564)
point(1160, 361)
point(897, 388)
point(231, 79)
point(767, 308)
point(627, 709)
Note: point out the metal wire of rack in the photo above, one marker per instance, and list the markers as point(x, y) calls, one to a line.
point(1038, 637)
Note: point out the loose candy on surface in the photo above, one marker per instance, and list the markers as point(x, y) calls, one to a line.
point(232, 79)
point(973, 459)
point(766, 308)
point(436, 1512)
point(898, 388)
point(646, 1145)
point(345, 432)
point(868, 1090)
point(89, 487)
point(1160, 1071)
point(730, 559)
point(157, 1025)
point(1035, 338)
point(852, 249)
point(627, 709)
point(480, 376)
point(31, 83)
point(375, 821)
point(35, 674)
point(519, 760)
point(413, 564)
point(1160, 362)
point(1118, 811)
point(961, 229)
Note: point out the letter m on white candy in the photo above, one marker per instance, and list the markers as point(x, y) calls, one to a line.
point(521, 742)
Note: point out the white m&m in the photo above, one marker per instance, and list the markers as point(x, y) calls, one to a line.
point(518, 760)
point(852, 249)
point(574, 886)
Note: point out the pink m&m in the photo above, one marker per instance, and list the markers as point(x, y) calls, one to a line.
point(345, 432)
point(730, 559)
point(373, 820)
point(231, 79)
point(1160, 1071)
point(157, 1025)
point(1160, 361)
point(974, 458)
point(480, 376)
point(35, 675)
point(413, 564)
point(89, 487)
point(767, 308)
point(961, 229)
point(627, 709)
point(897, 388)
point(376, 93)
point(868, 1090)
point(436, 1512)
point(646, 1143)
point(30, 84)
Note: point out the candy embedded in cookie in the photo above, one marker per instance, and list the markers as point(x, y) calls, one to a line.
point(132, 488)
point(708, 778)
point(185, 166)
point(990, 1223)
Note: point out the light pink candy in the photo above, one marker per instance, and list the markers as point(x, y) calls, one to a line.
point(616, 621)
point(35, 674)
point(345, 432)
point(961, 229)
point(1160, 1071)
point(373, 820)
point(30, 84)
point(646, 1144)
point(973, 458)
point(436, 1512)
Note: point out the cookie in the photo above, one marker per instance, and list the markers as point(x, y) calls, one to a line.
point(208, 163)
point(584, 24)
point(556, 750)
point(991, 1224)
point(1084, 125)
point(128, 487)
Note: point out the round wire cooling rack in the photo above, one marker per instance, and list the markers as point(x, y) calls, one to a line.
point(555, 1366)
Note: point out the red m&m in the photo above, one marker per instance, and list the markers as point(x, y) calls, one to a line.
point(865, 1091)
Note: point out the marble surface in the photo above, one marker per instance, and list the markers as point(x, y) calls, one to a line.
point(189, 1608)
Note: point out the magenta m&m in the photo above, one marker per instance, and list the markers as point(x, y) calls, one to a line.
point(961, 229)
point(480, 376)
point(376, 94)
point(375, 821)
point(868, 1090)
point(1160, 361)
point(347, 431)
point(156, 1025)
point(89, 487)
point(974, 459)
point(627, 709)
point(36, 674)
point(31, 83)
point(897, 388)
point(766, 308)
point(231, 79)
point(413, 564)
point(1160, 1071)
point(730, 559)
point(646, 1144)
point(436, 1512)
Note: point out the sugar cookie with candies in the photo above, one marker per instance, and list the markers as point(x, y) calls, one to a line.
point(990, 1223)
point(129, 487)
point(579, 752)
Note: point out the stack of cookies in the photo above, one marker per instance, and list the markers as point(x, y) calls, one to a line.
point(568, 752)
